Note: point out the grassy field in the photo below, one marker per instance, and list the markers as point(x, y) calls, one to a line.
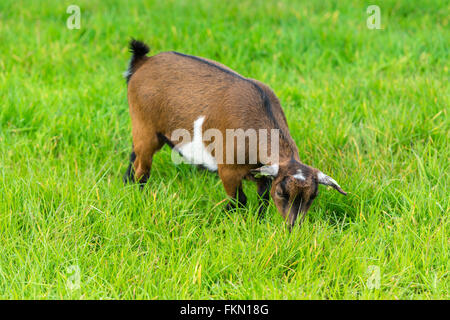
point(368, 107)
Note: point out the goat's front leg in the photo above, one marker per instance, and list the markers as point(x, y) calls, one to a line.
point(264, 185)
point(232, 181)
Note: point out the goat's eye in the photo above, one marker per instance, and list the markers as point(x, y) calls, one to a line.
point(280, 194)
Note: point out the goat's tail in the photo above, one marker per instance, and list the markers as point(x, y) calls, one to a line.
point(139, 50)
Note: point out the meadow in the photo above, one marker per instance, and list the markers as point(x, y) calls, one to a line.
point(367, 106)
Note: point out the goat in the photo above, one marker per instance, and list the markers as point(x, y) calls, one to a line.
point(172, 90)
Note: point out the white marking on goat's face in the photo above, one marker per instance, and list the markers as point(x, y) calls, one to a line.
point(299, 175)
point(195, 151)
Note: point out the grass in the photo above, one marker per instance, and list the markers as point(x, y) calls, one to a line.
point(368, 107)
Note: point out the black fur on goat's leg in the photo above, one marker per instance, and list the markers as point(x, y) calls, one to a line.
point(264, 185)
point(129, 175)
point(240, 200)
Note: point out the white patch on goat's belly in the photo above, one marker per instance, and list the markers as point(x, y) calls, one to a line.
point(195, 151)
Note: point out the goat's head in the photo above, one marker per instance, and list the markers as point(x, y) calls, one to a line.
point(294, 187)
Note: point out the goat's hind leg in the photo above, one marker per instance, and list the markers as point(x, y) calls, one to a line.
point(145, 143)
point(144, 156)
point(129, 174)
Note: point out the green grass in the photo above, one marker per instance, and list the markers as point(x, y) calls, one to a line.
point(368, 107)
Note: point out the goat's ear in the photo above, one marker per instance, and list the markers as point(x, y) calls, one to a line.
point(270, 171)
point(328, 181)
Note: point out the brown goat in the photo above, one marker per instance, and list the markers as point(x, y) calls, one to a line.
point(172, 91)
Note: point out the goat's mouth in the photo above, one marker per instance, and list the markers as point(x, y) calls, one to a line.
point(294, 208)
